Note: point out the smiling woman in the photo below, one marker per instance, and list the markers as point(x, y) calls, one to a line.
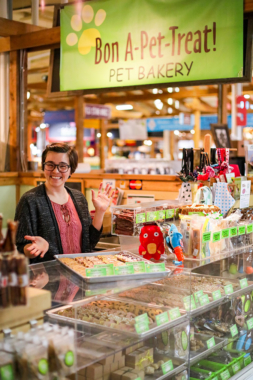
point(54, 219)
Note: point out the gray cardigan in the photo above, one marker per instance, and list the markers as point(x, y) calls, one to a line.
point(36, 218)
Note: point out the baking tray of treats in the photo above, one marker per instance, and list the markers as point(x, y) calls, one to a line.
point(155, 295)
point(78, 263)
point(114, 316)
point(191, 284)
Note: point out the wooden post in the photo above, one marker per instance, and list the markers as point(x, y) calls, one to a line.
point(196, 136)
point(79, 116)
point(172, 142)
point(222, 103)
point(102, 143)
point(152, 150)
point(14, 111)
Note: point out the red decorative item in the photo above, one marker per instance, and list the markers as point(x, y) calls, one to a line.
point(203, 177)
point(241, 118)
point(152, 242)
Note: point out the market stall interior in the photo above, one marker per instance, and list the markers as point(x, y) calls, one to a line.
point(167, 292)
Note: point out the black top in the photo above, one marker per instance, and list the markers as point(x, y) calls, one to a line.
point(36, 218)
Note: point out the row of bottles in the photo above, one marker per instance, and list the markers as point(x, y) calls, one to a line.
point(13, 269)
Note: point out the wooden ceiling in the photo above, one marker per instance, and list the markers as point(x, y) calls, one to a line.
point(183, 99)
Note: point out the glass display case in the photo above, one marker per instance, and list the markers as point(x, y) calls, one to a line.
point(196, 323)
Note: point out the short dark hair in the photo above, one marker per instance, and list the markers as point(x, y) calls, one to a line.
point(62, 148)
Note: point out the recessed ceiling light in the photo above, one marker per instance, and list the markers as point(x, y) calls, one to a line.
point(124, 107)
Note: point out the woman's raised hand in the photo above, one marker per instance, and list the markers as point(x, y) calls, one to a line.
point(103, 199)
point(38, 247)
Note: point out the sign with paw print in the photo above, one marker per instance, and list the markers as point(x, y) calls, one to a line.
point(107, 44)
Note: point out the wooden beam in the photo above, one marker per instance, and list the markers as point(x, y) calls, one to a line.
point(14, 111)
point(38, 70)
point(11, 28)
point(175, 95)
point(102, 143)
point(42, 39)
point(196, 136)
point(79, 112)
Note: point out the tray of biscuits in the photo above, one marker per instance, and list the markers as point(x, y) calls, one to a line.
point(108, 314)
point(108, 266)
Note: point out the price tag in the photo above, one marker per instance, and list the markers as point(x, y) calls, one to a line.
point(244, 283)
point(138, 378)
point(124, 270)
point(189, 303)
point(153, 268)
point(233, 231)
point(236, 368)
point(216, 236)
point(174, 313)
point(210, 342)
point(234, 330)
point(250, 324)
point(95, 272)
point(198, 294)
point(167, 367)
point(108, 267)
point(204, 300)
point(249, 228)
point(140, 218)
point(216, 295)
point(247, 361)
point(228, 289)
point(225, 233)
point(170, 213)
point(215, 378)
point(225, 375)
point(141, 327)
point(241, 230)
point(162, 318)
point(7, 372)
point(143, 318)
point(206, 237)
point(151, 216)
point(139, 267)
point(160, 214)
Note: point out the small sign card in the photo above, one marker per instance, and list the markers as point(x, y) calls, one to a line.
point(250, 324)
point(216, 236)
point(153, 268)
point(249, 228)
point(174, 313)
point(108, 267)
point(167, 367)
point(204, 300)
point(228, 289)
point(225, 233)
point(170, 213)
point(233, 231)
point(234, 330)
point(216, 294)
point(96, 272)
point(189, 303)
point(210, 343)
point(206, 237)
point(151, 216)
point(247, 360)
point(162, 318)
point(244, 283)
point(124, 270)
point(241, 230)
point(198, 294)
point(140, 218)
point(225, 375)
point(139, 267)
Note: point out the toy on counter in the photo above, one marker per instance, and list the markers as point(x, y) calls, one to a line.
point(173, 241)
point(152, 242)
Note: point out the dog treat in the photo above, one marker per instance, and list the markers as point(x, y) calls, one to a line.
point(79, 264)
point(196, 208)
point(22, 278)
point(114, 314)
point(13, 280)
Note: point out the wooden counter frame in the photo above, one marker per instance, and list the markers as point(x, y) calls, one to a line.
point(161, 186)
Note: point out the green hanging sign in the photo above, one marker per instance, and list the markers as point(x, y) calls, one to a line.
point(108, 44)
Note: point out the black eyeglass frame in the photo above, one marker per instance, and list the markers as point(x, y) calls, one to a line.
point(58, 167)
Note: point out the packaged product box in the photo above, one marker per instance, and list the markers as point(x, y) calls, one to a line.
point(94, 371)
point(129, 219)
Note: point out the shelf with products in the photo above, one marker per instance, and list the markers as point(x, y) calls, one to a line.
point(165, 294)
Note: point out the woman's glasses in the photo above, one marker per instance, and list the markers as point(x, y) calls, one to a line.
point(63, 168)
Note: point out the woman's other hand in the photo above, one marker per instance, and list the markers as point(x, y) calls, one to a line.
point(103, 199)
point(38, 247)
